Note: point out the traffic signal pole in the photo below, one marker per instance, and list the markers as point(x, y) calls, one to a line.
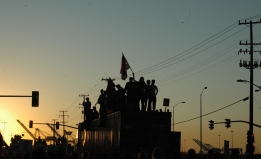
point(35, 97)
point(238, 121)
point(250, 65)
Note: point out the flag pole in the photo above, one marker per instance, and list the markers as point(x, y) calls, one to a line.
point(130, 67)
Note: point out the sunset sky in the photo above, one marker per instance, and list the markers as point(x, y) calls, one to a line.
point(64, 48)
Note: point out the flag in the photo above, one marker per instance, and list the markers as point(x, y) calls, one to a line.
point(124, 67)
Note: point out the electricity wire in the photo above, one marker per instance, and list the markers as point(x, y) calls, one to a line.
point(210, 112)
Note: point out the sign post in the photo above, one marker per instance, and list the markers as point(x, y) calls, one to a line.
point(166, 103)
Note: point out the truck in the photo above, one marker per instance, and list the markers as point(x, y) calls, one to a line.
point(128, 130)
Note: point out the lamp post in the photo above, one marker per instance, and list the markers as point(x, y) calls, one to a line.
point(232, 137)
point(259, 87)
point(201, 120)
point(173, 114)
point(184, 146)
point(219, 141)
point(244, 81)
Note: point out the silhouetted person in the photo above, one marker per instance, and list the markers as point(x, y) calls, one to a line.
point(126, 153)
point(210, 154)
point(85, 155)
point(88, 117)
point(191, 153)
point(102, 102)
point(39, 154)
point(157, 154)
point(74, 155)
point(63, 140)
point(216, 155)
point(116, 154)
point(154, 92)
point(26, 155)
point(18, 156)
point(130, 91)
point(147, 95)
point(140, 94)
point(95, 113)
point(142, 155)
point(52, 151)
point(174, 155)
point(86, 108)
point(110, 96)
point(120, 98)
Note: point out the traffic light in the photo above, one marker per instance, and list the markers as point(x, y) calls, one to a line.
point(228, 123)
point(211, 124)
point(250, 137)
point(30, 124)
point(57, 125)
point(250, 148)
point(35, 98)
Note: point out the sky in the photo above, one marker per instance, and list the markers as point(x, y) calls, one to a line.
point(64, 49)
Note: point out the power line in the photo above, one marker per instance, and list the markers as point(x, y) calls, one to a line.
point(213, 111)
point(202, 63)
point(167, 65)
point(93, 88)
point(198, 65)
point(199, 71)
point(73, 103)
point(189, 51)
point(161, 64)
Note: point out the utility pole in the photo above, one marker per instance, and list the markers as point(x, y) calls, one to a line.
point(63, 121)
point(232, 138)
point(219, 141)
point(84, 97)
point(250, 65)
point(54, 130)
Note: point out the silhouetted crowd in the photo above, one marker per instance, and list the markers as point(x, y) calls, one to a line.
point(42, 151)
point(136, 95)
point(56, 152)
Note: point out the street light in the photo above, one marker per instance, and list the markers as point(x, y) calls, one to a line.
point(244, 81)
point(201, 119)
point(219, 141)
point(184, 146)
point(259, 87)
point(173, 114)
point(232, 138)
